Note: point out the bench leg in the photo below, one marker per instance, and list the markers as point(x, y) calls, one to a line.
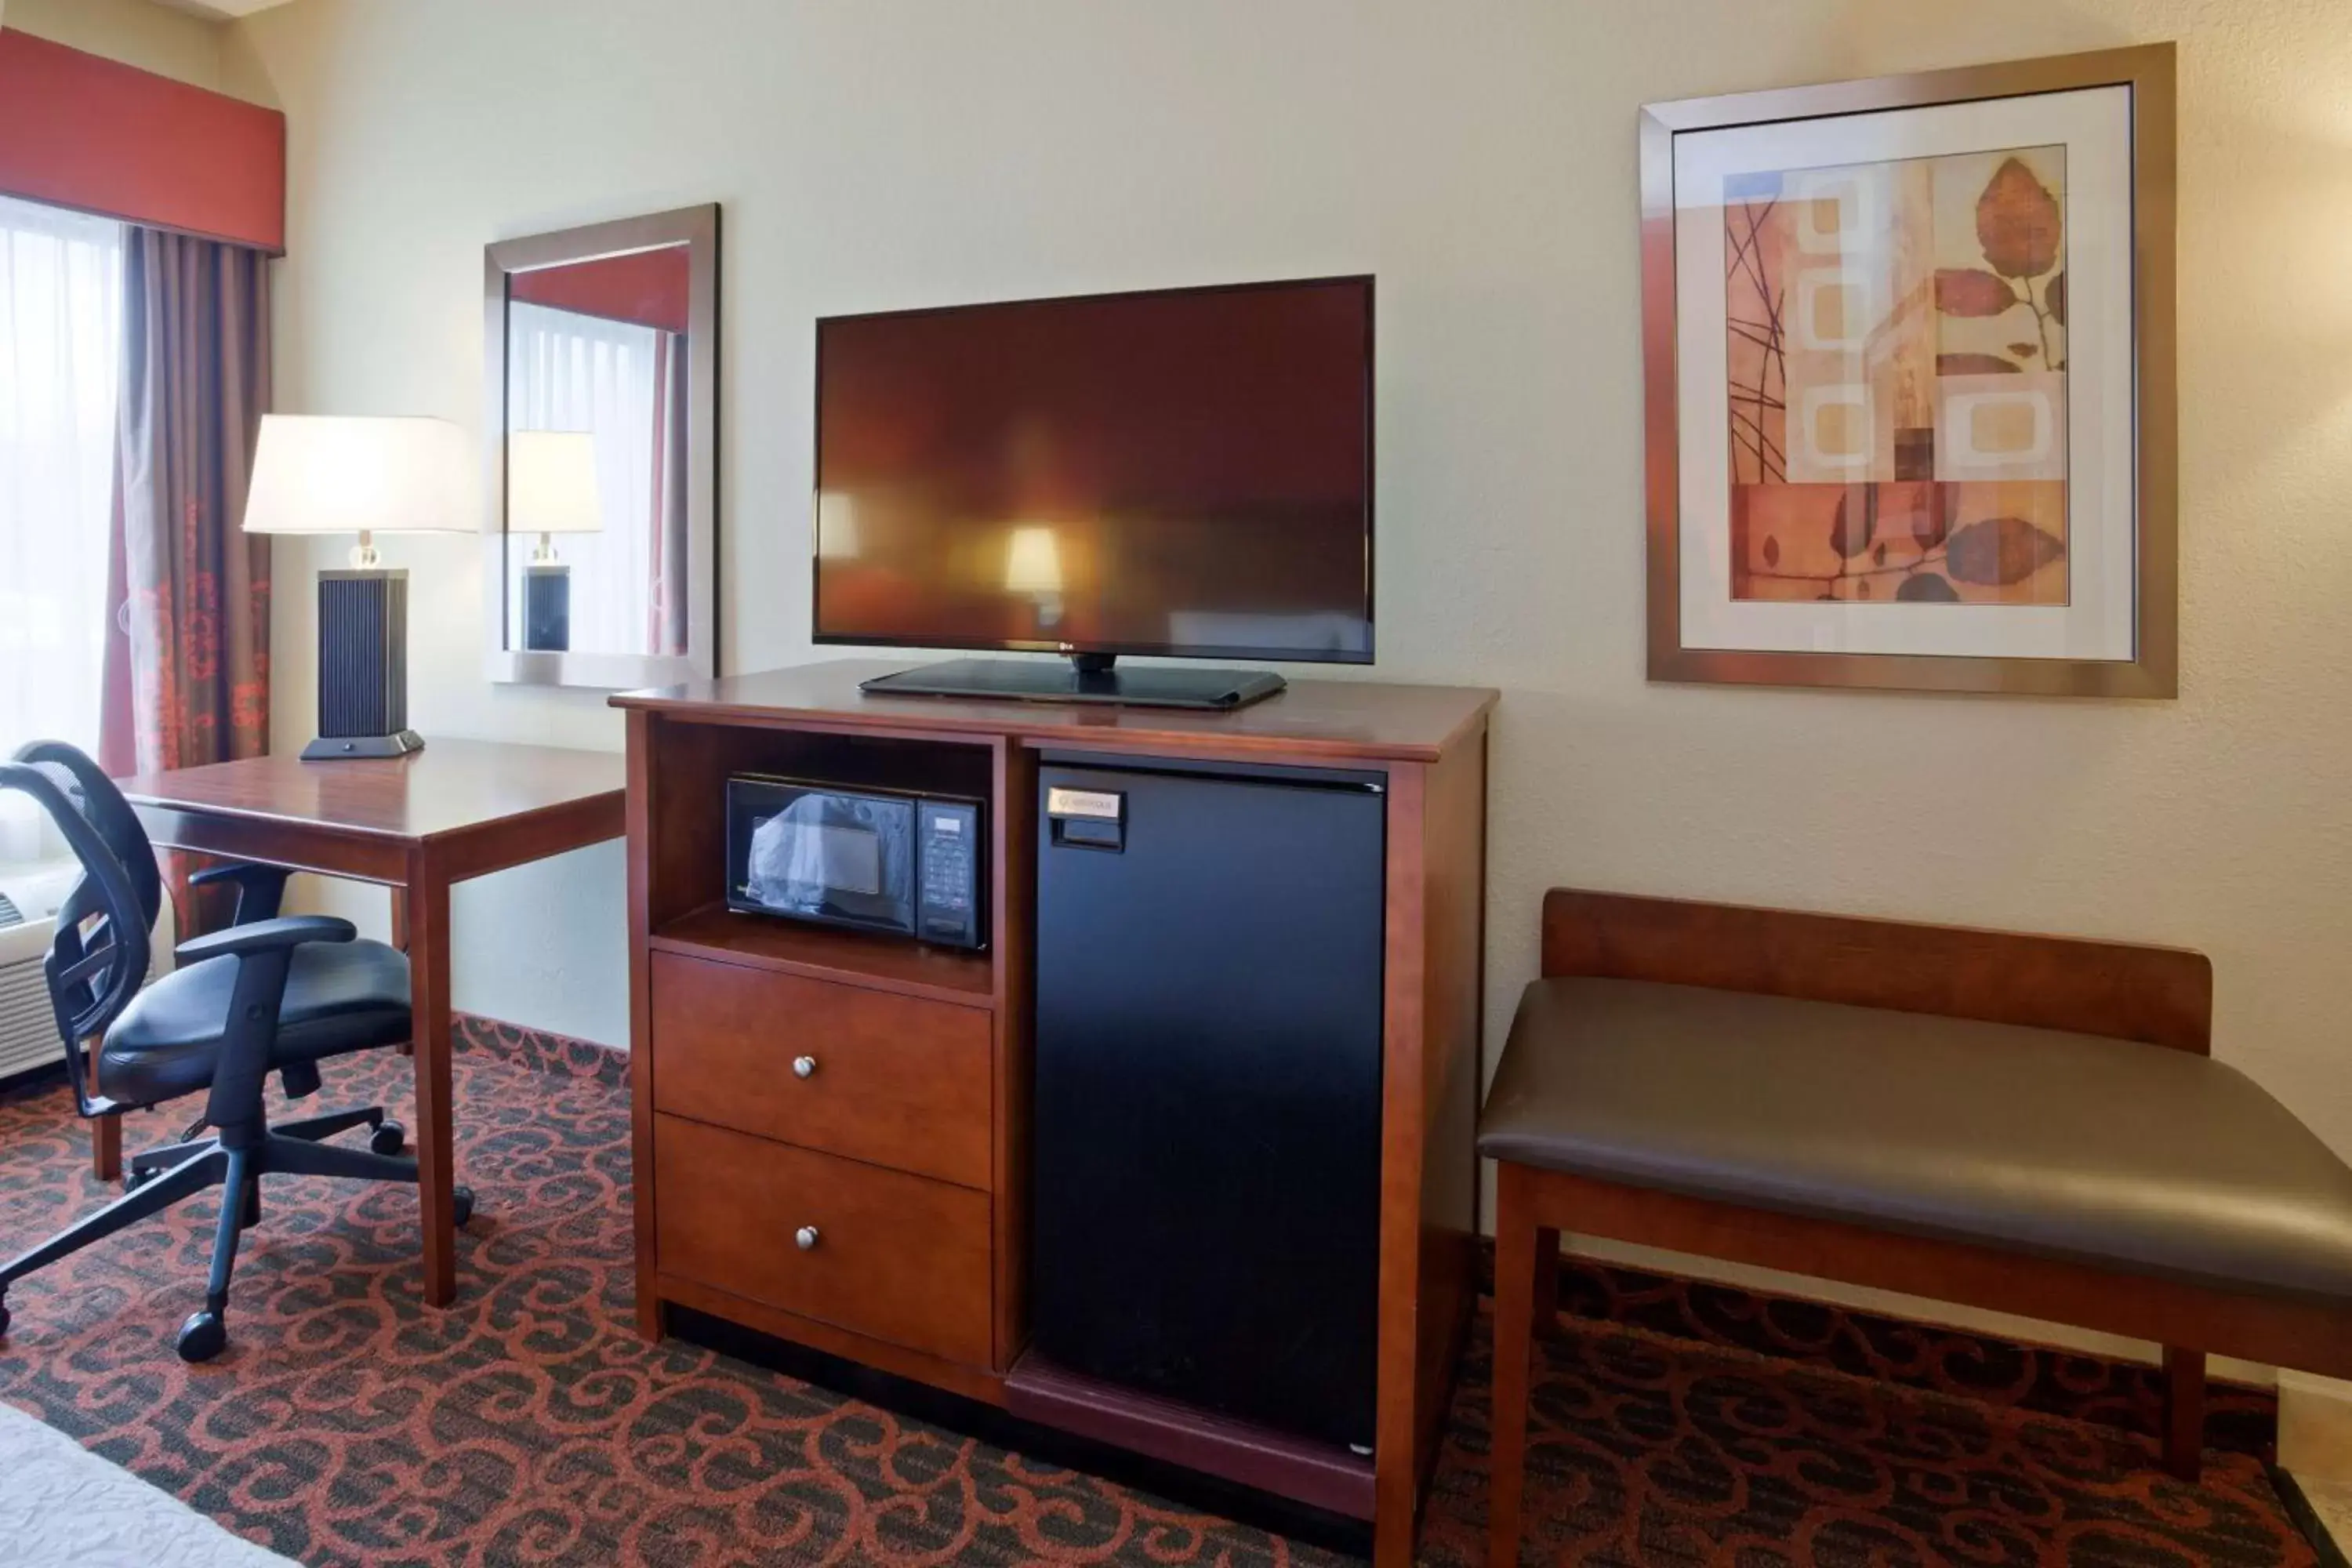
point(1516, 1252)
point(2184, 1411)
point(1547, 1295)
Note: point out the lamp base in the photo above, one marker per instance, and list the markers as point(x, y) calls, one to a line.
point(341, 748)
point(363, 667)
point(547, 606)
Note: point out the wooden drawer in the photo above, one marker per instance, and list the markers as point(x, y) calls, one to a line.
point(899, 1081)
point(900, 1257)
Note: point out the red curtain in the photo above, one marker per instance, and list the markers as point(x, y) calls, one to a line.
point(187, 676)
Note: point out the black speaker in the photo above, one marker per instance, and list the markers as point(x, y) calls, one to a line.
point(547, 606)
point(363, 665)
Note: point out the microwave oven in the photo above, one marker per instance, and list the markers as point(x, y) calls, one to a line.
point(871, 859)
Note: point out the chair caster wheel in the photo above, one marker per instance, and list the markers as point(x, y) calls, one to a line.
point(134, 1179)
point(389, 1138)
point(462, 1204)
point(202, 1337)
point(4, 1319)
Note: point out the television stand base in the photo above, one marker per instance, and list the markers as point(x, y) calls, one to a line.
point(1030, 680)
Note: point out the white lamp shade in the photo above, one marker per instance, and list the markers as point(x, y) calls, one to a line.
point(1034, 564)
point(551, 482)
point(337, 474)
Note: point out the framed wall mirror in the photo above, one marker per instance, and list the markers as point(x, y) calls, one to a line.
point(601, 540)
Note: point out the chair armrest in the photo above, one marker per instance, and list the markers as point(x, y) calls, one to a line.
point(259, 888)
point(285, 933)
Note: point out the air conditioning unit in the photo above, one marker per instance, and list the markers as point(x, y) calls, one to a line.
point(29, 897)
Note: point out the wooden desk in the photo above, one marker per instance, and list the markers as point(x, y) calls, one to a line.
point(416, 825)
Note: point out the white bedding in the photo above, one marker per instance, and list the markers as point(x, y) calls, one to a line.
point(61, 1506)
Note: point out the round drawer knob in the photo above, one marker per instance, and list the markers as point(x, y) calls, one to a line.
point(806, 1237)
point(804, 1067)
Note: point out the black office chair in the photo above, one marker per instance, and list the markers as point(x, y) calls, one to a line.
point(271, 993)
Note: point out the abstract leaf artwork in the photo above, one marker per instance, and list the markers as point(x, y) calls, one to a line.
point(1910, 391)
point(1896, 388)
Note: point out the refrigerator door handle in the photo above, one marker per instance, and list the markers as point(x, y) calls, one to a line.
point(1086, 818)
point(1089, 833)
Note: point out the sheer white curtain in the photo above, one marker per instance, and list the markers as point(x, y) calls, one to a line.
point(60, 359)
point(572, 372)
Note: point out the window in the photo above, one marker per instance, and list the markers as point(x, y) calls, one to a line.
point(60, 359)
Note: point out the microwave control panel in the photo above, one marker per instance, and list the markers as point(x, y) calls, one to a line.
point(949, 861)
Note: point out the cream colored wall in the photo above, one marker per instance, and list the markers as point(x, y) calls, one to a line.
point(1480, 158)
point(136, 32)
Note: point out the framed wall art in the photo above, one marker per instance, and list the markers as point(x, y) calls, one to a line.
point(1908, 350)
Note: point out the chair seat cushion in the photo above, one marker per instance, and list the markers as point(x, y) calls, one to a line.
point(2095, 1150)
point(339, 996)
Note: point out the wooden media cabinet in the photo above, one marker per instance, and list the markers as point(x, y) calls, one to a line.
point(900, 1141)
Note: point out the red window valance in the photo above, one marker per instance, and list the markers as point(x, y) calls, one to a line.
point(82, 132)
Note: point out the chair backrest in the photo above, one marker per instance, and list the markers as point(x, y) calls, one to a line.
point(98, 959)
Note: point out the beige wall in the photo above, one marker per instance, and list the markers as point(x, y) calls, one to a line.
point(137, 32)
point(1480, 158)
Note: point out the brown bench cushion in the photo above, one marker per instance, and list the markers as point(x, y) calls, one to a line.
point(2072, 1146)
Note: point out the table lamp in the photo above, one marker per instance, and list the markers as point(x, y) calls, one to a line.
point(551, 489)
point(335, 474)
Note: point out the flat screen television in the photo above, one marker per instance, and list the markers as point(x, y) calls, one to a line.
point(1185, 471)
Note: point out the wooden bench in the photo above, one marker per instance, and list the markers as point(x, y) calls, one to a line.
point(2025, 1123)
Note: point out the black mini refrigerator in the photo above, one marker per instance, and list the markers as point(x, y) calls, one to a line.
point(1207, 1134)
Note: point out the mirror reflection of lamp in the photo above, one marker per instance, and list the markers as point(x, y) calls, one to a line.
point(551, 489)
point(1033, 567)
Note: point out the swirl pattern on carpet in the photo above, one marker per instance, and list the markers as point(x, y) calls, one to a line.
point(347, 1424)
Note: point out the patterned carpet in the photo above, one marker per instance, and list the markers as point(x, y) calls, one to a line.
point(346, 1425)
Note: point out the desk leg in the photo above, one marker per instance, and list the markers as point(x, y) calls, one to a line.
point(106, 1148)
point(400, 941)
point(428, 1002)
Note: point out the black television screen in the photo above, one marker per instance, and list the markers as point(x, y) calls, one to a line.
point(1186, 471)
